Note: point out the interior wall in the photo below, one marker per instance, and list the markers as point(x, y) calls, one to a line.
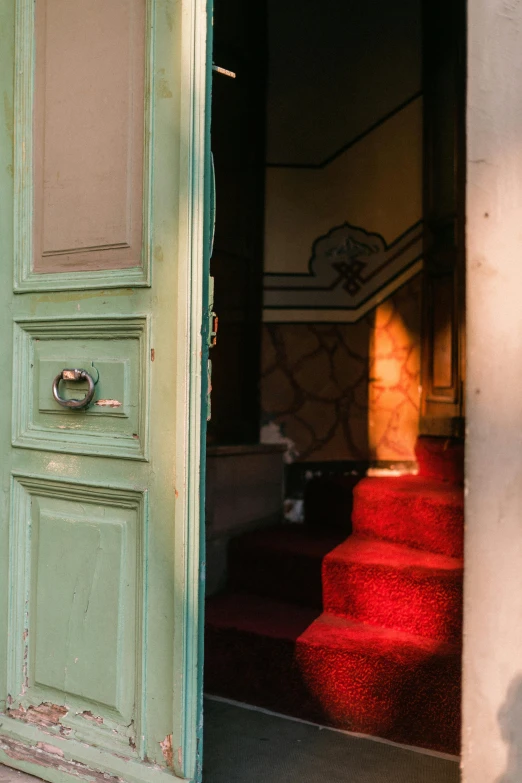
point(492, 701)
point(238, 146)
point(347, 391)
point(344, 84)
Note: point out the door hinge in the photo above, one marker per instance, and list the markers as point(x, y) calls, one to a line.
point(213, 320)
point(209, 389)
point(213, 330)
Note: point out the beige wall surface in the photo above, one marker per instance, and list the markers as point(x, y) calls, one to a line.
point(492, 710)
point(335, 68)
point(343, 391)
point(376, 184)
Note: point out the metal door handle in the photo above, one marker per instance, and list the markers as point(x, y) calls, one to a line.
point(73, 375)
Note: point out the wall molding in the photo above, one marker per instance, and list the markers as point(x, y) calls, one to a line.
point(350, 272)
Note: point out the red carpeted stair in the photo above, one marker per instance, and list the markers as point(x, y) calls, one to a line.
point(383, 658)
point(421, 513)
point(395, 587)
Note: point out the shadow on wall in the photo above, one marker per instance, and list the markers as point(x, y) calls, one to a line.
point(510, 722)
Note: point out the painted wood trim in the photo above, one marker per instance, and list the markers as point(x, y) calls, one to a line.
point(24, 278)
point(23, 132)
point(58, 760)
point(195, 78)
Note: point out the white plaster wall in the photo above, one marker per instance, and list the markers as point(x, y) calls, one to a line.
point(492, 703)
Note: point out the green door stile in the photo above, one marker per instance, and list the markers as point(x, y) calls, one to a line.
point(102, 508)
point(206, 333)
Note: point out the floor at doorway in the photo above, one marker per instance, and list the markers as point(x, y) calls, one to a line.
point(244, 745)
point(8, 775)
point(248, 746)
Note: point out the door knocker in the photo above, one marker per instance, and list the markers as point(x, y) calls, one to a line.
point(74, 375)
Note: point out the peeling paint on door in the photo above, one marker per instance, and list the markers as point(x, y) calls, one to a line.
point(45, 714)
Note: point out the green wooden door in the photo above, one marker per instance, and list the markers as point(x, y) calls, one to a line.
point(103, 244)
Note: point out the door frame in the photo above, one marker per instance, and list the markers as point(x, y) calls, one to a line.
point(492, 687)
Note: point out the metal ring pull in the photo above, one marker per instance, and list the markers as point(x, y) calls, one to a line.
point(73, 375)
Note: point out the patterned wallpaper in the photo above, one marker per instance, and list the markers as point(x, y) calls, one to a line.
point(347, 391)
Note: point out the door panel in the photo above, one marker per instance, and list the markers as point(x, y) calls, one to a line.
point(238, 144)
point(116, 352)
point(103, 221)
point(88, 153)
point(444, 187)
point(442, 370)
point(69, 619)
point(85, 132)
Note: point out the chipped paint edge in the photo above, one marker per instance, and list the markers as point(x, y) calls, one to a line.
point(62, 759)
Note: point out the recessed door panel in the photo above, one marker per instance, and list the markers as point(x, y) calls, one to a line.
point(88, 143)
point(77, 646)
point(78, 563)
point(112, 395)
point(442, 348)
point(115, 353)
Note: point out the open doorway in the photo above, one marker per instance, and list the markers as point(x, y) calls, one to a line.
point(338, 370)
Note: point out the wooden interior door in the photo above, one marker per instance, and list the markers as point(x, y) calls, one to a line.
point(238, 145)
point(443, 365)
point(103, 159)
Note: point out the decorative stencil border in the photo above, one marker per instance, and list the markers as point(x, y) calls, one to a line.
point(350, 272)
point(26, 435)
point(23, 489)
point(24, 277)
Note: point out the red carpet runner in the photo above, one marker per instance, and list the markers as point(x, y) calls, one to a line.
point(363, 634)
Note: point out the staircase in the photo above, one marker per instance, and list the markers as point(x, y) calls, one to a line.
point(360, 633)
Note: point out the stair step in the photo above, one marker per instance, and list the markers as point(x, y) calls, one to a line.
point(441, 459)
point(234, 610)
point(384, 683)
point(411, 510)
point(249, 652)
point(336, 672)
point(396, 587)
point(282, 562)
